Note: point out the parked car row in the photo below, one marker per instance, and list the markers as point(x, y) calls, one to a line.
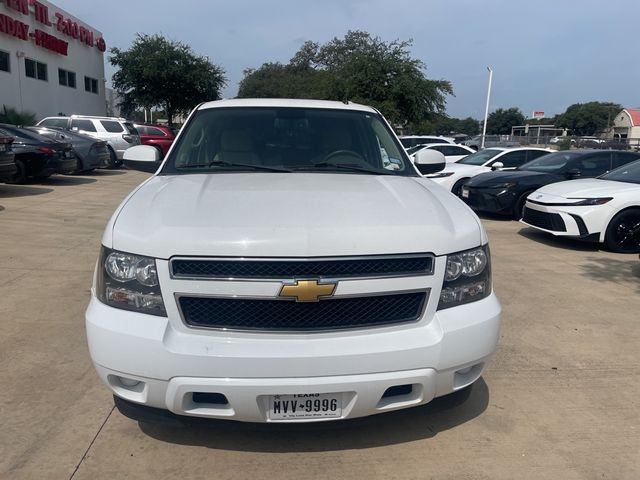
point(589, 194)
point(36, 156)
point(585, 194)
point(73, 144)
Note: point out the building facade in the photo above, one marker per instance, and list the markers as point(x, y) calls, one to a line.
point(51, 62)
point(627, 125)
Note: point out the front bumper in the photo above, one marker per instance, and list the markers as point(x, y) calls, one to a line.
point(491, 200)
point(581, 222)
point(172, 364)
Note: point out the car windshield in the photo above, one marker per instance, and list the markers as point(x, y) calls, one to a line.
point(481, 157)
point(551, 163)
point(412, 150)
point(629, 173)
point(287, 139)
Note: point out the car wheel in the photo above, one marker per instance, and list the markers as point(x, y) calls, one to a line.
point(21, 175)
point(457, 187)
point(113, 159)
point(518, 209)
point(78, 168)
point(623, 232)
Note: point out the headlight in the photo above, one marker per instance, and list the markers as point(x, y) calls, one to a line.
point(504, 185)
point(129, 282)
point(467, 277)
point(590, 201)
point(440, 175)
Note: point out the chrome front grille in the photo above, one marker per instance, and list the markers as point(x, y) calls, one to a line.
point(248, 306)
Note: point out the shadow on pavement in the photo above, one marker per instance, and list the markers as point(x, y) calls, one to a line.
point(103, 173)
point(558, 242)
point(494, 216)
point(397, 427)
point(64, 180)
point(9, 191)
point(624, 271)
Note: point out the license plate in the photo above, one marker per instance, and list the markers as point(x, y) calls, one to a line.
point(67, 154)
point(305, 406)
point(465, 193)
point(2, 147)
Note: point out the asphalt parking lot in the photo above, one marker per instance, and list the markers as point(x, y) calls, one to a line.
point(560, 399)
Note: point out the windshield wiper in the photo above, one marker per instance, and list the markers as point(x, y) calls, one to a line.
point(225, 163)
point(342, 166)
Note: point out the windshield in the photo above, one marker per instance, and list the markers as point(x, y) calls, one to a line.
point(481, 157)
point(551, 163)
point(412, 150)
point(629, 173)
point(287, 139)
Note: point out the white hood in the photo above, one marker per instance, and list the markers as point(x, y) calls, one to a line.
point(465, 169)
point(584, 188)
point(291, 215)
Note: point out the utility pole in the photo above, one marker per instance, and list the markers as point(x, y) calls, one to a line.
point(486, 110)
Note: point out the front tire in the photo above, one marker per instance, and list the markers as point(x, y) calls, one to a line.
point(623, 232)
point(113, 159)
point(457, 187)
point(518, 209)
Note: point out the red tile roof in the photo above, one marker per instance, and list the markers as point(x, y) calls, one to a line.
point(634, 114)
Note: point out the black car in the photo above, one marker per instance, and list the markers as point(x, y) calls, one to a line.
point(91, 153)
point(37, 156)
point(505, 192)
point(7, 158)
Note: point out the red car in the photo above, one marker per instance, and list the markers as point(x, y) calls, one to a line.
point(159, 136)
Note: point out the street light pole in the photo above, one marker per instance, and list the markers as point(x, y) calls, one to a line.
point(486, 110)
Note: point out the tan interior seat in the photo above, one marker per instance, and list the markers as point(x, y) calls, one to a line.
point(236, 146)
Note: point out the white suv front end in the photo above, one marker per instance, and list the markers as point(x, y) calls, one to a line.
point(284, 291)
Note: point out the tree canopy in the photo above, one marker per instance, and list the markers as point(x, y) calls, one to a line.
point(588, 118)
point(500, 121)
point(156, 72)
point(359, 68)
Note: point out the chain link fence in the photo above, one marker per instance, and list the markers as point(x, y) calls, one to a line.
point(556, 142)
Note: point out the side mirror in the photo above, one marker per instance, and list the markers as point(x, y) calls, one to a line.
point(429, 161)
point(497, 166)
point(143, 158)
point(573, 173)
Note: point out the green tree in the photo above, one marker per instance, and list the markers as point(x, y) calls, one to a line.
point(156, 72)
point(13, 117)
point(588, 118)
point(359, 68)
point(500, 121)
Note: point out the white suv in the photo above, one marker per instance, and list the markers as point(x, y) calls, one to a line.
point(276, 268)
point(119, 133)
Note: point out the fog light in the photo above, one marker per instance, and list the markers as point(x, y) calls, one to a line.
point(128, 382)
point(464, 371)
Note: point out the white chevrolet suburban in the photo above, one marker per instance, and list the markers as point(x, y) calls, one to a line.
point(288, 263)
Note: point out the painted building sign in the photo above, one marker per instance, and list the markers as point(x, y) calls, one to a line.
point(40, 12)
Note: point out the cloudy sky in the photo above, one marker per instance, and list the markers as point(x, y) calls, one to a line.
point(545, 54)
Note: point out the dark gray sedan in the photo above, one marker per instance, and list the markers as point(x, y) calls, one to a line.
point(91, 152)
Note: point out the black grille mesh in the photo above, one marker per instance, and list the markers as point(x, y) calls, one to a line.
point(548, 221)
point(284, 315)
point(279, 269)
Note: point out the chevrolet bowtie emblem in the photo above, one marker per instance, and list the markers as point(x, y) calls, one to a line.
point(307, 290)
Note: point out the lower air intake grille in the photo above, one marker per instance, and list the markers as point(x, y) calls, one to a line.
point(548, 221)
point(285, 315)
